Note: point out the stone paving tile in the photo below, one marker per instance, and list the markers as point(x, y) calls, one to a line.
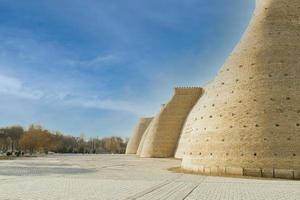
point(117, 177)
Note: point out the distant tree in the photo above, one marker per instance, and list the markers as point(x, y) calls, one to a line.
point(10, 136)
point(37, 139)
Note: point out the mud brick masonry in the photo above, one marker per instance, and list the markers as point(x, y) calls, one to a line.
point(247, 120)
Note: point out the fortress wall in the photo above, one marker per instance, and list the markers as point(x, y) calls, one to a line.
point(140, 147)
point(248, 120)
point(136, 137)
point(162, 136)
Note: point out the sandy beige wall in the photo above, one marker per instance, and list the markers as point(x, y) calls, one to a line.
point(248, 119)
point(137, 135)
point(162, 136)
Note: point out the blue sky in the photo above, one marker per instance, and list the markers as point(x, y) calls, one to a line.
point(96, 66)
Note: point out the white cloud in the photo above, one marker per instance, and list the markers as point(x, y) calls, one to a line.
point(108, 104)
point(8, 84)
point(13, 86)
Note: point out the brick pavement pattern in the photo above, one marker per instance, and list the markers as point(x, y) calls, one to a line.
point(109, 177)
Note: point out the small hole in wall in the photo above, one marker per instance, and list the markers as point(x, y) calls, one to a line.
point(245, 126)
point(255, 154)
point(288, 98)
point(285, 74)
point(211, 154)
point(289, 139)
point(251, 77)
point(223, 83)
point(256, 125)
point(280, 110)
point(191, 153)
point(270, 75)
point(294, 154)
point(199, 153)
point(230, 126)
point(298, 124)
point(227, 154)
point(277, 125)
point(223, 140)
point(275, 154)
point(210, 116)
point(265, 139)
point(254, 100)
point(241, 66)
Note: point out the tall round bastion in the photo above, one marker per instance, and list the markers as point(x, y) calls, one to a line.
point(161, 138)
point(137, 135)
point(248, 120)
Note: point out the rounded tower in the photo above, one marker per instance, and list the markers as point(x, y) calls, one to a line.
point(162, 136)
point(248, 120)
point(137, 135)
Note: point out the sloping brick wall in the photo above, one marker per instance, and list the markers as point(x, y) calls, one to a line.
point(248, 119)
point(137, 135)
point(162, 137)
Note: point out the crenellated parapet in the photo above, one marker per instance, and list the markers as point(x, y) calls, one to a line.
point(247, 120)
point(188, 90)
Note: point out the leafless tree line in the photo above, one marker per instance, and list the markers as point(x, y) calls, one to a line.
point(16, 140)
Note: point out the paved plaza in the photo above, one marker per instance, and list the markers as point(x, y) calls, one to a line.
point(89, 177)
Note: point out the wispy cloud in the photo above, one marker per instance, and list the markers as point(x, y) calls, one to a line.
point(13, 86)
point(8, 84)
point(97, 59)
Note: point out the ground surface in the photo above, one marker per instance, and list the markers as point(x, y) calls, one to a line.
point(119, 177)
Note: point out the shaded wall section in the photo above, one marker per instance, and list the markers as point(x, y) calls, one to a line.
point(137, 135)
point(162, 136)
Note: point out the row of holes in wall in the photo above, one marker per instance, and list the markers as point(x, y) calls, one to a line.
point(251, 78)
point(255, 100)
point(227, 154)
point(256, 125)
point(231, 114)
point(223, 140)
point(253, 64)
